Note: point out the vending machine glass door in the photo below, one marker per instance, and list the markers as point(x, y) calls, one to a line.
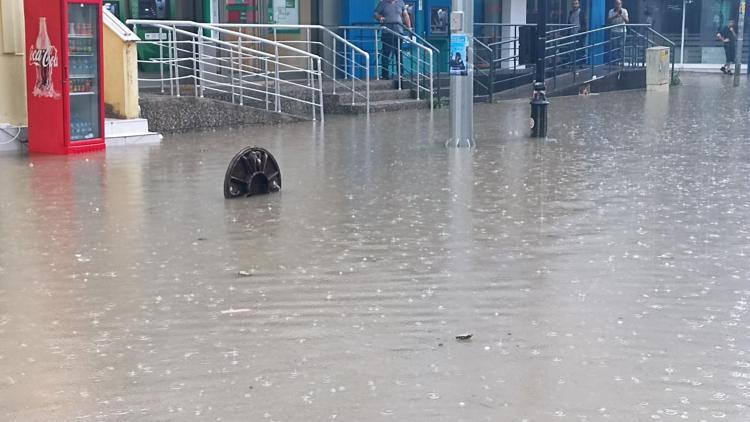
point(83, 48)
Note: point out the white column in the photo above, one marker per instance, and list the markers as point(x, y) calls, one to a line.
point(514, 12)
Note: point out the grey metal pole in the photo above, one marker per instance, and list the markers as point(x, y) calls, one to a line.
point(740, 38)
point(682, 38)
point(462, 74)
point(539, 103)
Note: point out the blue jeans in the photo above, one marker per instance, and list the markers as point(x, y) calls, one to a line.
point(616, 47)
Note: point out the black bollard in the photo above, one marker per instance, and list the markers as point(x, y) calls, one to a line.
point(253, 171)
point(539, 105)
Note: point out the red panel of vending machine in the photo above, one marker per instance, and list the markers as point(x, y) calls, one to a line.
point(64, 81)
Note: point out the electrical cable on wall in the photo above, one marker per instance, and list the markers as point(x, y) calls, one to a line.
point(18, 133)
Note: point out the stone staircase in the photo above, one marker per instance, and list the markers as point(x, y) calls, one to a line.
point(384, 96)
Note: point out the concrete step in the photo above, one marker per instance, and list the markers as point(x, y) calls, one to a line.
point(134, 139)
point(385, 95)
point(359, 86)
point(120, 127)
point(128, 132)
point(381, 106)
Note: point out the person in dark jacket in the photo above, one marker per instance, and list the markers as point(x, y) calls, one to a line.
point(728, 37)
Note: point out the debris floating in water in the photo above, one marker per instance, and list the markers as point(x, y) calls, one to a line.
point(464, 337)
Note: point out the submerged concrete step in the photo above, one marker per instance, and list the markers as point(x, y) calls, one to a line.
point(129, 132)
point(124, 127)
point(359, 85)
point(381, 106)
point(134, 139)
point(391, 94)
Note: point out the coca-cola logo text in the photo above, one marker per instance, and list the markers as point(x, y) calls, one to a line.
point(45, 58)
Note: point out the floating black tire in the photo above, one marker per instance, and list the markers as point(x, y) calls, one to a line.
point(253, 171)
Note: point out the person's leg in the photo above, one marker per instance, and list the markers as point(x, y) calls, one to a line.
point(583, 51)
point(620, 52)
point(570, 56)
point(578, 52)
point(399, 55)
point(614, 49)
point(386, 53)
point(727, 55)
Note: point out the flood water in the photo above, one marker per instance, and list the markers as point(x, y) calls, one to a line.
point(603, 273)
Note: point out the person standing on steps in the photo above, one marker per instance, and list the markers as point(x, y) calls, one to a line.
point(617, 16)
point(728, 37)
point(577, 21)
point(394, 15)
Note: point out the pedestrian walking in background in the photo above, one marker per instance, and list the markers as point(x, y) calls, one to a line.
point(728, 37)
point(577, 21)
point(394, 15)
point(616, 16)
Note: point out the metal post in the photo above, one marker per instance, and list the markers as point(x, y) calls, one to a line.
point(740, 39)
point(176, 59)
point(310, 77)
point(277, 75)
point(354, 76)
point(335, 53)
point(462, 74)
point(346, 55)
point(195, 69)
point(200, 63)
point(399, 64)
point(241, 65)
point(320, 85)
point(231, 72)
point(265, 74)
point(161, 58)
point(377, 56)
point(682, 40)
point(171, 70)
point(367, 75)
point(539, 101)
point(419, 70)
point(432, 81)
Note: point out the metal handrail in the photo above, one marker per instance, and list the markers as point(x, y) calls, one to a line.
point(250, 76)
point(592, 31)
point(562, 26)
point(336, 55)
point(211, 27)
point(411, 32)
point(403, 40)
point(628, 51)
point(490, 85)
point(563, 49)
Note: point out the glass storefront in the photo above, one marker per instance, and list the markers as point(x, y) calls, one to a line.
point(703, 19)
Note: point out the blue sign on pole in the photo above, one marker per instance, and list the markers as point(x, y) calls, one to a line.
point(459, 64)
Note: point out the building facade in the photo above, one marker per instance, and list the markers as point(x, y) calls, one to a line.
point(702, 20)
point(12, 60)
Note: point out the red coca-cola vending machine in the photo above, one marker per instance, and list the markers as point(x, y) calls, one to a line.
point(64, 75)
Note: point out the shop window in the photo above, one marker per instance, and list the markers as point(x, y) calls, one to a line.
point(557, 10)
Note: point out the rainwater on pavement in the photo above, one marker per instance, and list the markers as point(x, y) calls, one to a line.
point(603, 273)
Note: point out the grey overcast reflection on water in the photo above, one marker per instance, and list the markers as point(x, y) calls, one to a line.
point(603, 273)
